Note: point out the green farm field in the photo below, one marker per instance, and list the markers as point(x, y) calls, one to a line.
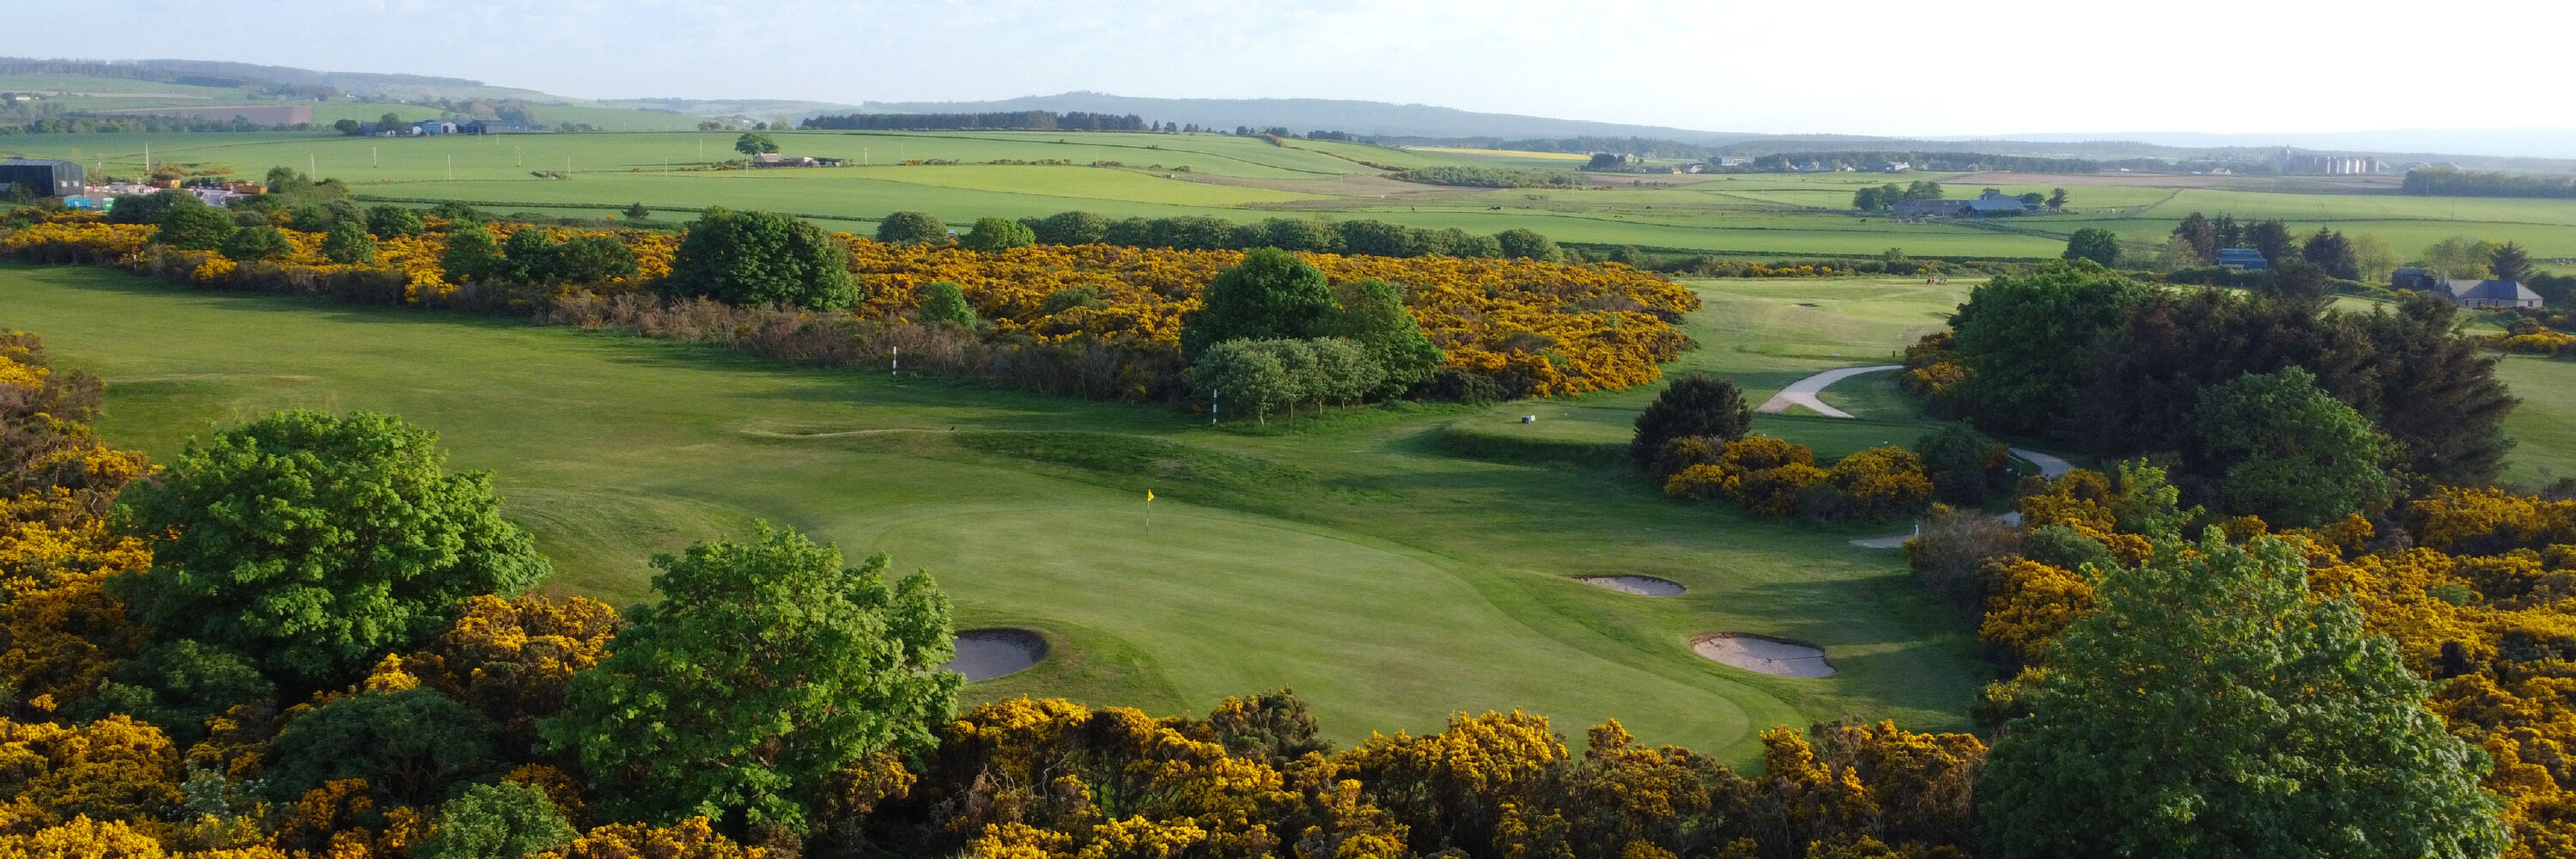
point(1386, 582)
point(1248, 179)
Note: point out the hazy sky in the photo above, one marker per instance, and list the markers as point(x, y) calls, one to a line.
point(1858, 66)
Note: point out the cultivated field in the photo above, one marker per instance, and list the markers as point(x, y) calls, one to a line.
point(1762, 216)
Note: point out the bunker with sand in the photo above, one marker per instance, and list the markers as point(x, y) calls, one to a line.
point(983, 654)
point(1764, 654)
point(1644, 586)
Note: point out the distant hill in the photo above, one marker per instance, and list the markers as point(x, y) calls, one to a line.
point(1301, 115)
point(2408, 144)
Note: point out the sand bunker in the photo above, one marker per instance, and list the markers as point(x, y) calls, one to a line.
point(1644, 586)
point(983, 654)
point(1764, 654)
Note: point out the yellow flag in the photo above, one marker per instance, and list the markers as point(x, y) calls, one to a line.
point(1149, 495)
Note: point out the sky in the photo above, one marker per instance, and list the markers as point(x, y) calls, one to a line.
point(1776, 66)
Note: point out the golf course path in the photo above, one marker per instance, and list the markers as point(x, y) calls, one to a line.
point(2049, 466)
point(1803, 391)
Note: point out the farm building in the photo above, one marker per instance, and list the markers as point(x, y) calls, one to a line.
point(2489, 293)
point(2419, 280)
point(2248, 259)
point(433, 126)
point(485, 126)
point(1992, 203)
point(43, 178)
point(1930, 208)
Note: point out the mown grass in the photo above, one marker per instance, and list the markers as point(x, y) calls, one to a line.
point(1388, 582)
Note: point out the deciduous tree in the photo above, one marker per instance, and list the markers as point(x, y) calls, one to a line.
point(912, 228)
point(2210, 707)
point(1270, 295)
point(2291, 453)
point(313, 544)
point(991, 235)
point(2094, 243)
point(762, 259)
point(766, 667)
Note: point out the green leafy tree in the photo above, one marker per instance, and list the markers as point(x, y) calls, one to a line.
point(2094, 243)
point(1377, 238)
point(508, 820)
point(147, 208)
point(313, 544)
point(2433, 387)
point(912, 228)
point(528, 256)
point(1694, 405)
point(2457, 256)
point(2034, 199)
point(1371, 312)
point(2291, 453)
point(754, 143)
point(1344, 371)
point(1524, 243)
point(1295, 234)
point(767, 667)
point(1954, 457)
point(1071, 228)
point(637, 212)
point(998, 234)
point(393, 221)
point(190, 224)
point(347, 243)
point(1923, 190)
point(458, 212)
point(348, 127)
point(257, 243)
point(2374, 257)
point(2056, 199)
point(391, 121)
point(593, 259)
point(2509, 262)
point(1270, 295)
point(2027, 341)
point(409, 745)
point(762, 258)
point(177, 685)
point(471, 255)
point(1868, 199)
point(2211, 708)
point(1243, 375)
point(944, 304)
point(2196, 232)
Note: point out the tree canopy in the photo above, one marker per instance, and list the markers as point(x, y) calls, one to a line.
point(2291, 453)
point(2094, 243)
point(762, 258)
point(1270, 295)
point(2211, 708)
point(1694, 405)
point(998, 234)
point(1371, 312)
point(766, 667)
point(912, 228)
point(313, 544)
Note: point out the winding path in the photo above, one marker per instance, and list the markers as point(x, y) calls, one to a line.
point(1803, 391)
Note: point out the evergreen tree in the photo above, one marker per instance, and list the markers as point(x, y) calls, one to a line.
point(1696, 405)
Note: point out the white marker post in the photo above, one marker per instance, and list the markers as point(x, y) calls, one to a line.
point(897, 369)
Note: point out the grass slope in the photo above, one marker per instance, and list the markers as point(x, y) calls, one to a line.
point(1388, 583)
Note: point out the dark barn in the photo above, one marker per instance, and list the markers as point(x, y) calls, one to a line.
point(42, 178)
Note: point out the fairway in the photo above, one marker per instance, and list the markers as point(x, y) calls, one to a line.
point(1387, 583)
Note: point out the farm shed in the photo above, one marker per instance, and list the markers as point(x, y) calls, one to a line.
point(2489, 293)
point(2248, 259)
point(43, 178)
